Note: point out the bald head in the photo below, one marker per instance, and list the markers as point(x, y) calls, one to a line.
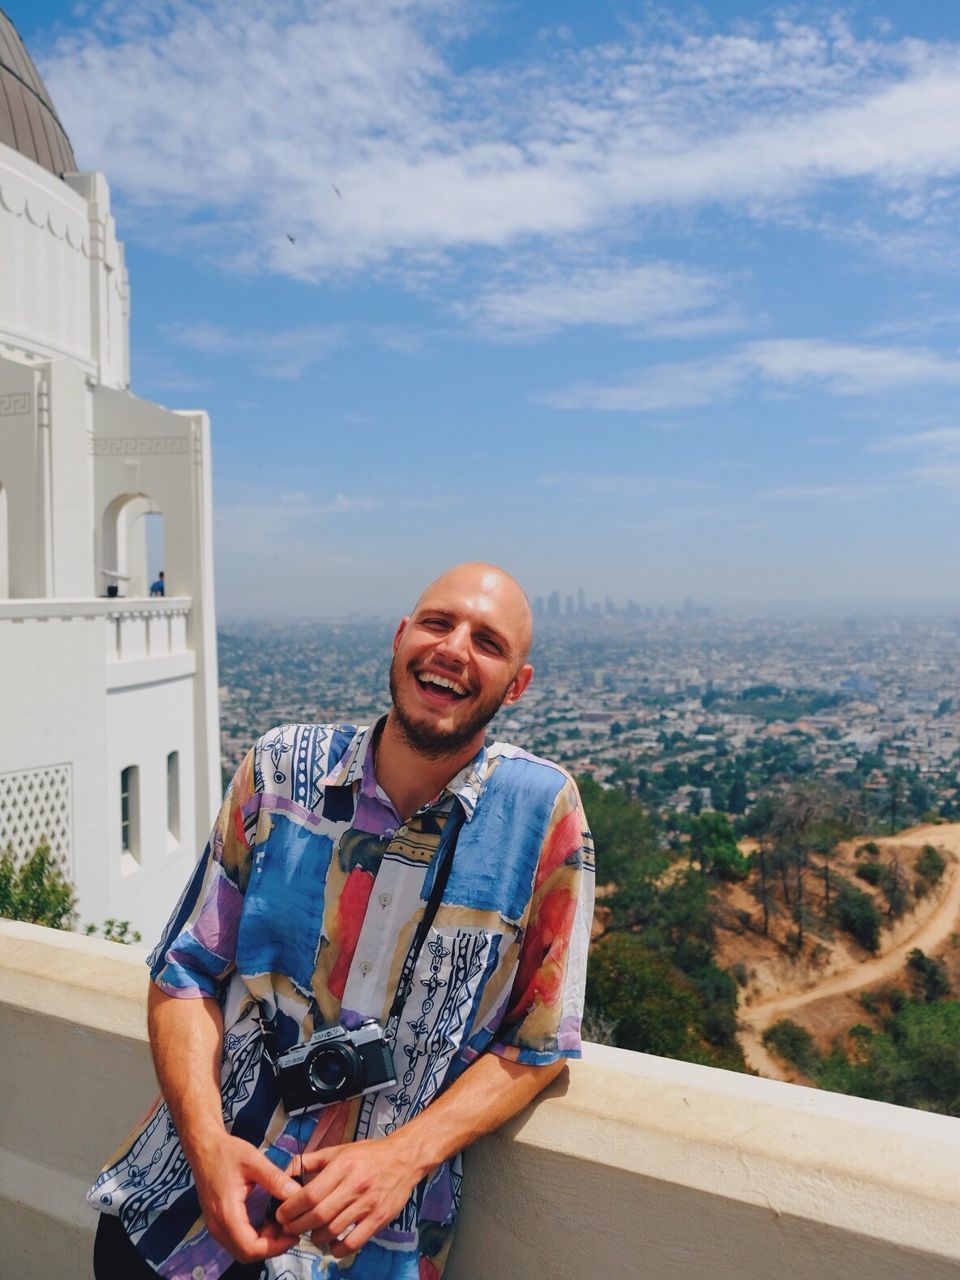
point(490, 591)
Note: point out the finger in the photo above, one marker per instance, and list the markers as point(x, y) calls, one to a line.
point(353, 1237)
point(236, 1231)
point(278, 1241)
point(314, 1161)
point(306, 1199)
point(351, 1240)
point(265, 1173)
point(341, 1204)
point(349, 1220)
point(239, 1238)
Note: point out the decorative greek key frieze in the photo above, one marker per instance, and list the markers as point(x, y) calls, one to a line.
point(14, 404)
point(151, 446)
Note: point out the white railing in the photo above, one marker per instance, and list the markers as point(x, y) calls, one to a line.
point(630, 1166)
point(135, 628)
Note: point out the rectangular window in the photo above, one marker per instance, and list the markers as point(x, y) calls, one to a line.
point(173, 798)
point(130, 818)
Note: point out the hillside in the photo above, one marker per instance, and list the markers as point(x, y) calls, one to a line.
point(819, 986)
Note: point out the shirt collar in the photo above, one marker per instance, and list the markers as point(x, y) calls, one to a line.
point(465, 786)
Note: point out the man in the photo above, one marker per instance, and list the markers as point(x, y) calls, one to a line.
point(301, 916)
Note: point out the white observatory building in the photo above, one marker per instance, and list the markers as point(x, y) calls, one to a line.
point(109, 729)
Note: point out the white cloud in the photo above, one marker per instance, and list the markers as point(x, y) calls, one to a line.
point(649, 297)
point(937, 453)
point(940, 440)
point(600, 485)
point(279, 353)
point(846, 369)
point(682, 385)
point(840, 492)
point(346, 127)
point(938, 475)
point(343, 502)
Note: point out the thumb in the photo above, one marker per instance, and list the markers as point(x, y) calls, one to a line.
point(267, 1175)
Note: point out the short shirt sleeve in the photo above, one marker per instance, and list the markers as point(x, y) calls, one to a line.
point(196, 953)
point(545, 1009)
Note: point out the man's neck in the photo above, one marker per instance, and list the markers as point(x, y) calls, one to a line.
point(410, 778)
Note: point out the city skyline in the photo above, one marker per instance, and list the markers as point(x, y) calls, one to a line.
point(657, 302)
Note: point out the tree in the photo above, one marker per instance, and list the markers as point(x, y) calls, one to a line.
point(651, 1009)
point(930, 976)
point(896, 796)
point(36, 889)
point(714, 846)
point(930, 864)
point(856, 913)
point(629, 860)
point(737, 795)
point(913, 1062)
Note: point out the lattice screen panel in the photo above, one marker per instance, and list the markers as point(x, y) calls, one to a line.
point(35, 807)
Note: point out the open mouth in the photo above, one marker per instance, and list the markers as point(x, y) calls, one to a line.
point(443, 687)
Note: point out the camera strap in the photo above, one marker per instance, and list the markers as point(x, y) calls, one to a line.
point(441, 863)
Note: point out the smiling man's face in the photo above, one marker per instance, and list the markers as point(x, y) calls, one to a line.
point(458, 657)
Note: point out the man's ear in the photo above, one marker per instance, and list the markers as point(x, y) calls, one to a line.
point(518, 685)
point(401, 627)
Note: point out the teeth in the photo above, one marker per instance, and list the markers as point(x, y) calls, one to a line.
point(443, 683)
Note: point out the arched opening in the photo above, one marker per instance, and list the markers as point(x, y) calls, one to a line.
point(4, 547)
point(154, 527)
point(133, 547)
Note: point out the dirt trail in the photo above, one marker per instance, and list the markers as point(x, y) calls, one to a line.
point(928, 936)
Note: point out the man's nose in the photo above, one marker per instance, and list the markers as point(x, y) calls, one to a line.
point(455, 645)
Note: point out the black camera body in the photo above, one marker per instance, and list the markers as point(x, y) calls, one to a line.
point(335, 1064)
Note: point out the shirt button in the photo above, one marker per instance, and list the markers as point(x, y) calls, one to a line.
point(366, 967)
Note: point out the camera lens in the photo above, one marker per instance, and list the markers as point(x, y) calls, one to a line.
point(332, 1071)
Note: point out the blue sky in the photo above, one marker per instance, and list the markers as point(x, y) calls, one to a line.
point(658, 300)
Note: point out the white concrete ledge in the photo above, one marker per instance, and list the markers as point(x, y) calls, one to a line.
point(93, 607)
point(630, 1167)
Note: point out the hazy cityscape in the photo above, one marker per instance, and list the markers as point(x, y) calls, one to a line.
point(688, 709)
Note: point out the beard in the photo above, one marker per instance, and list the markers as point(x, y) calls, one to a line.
point(427, 740)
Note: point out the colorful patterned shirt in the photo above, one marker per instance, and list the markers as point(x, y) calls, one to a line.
point(302, 911)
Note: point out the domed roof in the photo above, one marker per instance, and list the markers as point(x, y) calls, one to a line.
point(28, 121)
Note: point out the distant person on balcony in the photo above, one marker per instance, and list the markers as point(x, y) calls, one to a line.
point(158, 588)
point(333, 845)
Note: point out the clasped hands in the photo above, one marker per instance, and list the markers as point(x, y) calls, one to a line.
point(349, 1193)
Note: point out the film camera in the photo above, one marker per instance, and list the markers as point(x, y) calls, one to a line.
point(334, 1064)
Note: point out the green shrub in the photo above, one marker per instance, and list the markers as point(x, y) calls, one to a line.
point(645, 1003)
point(857, 914)
point(872, 872)
point(930, 976)
point(36, 889)
point(114, 931)
point(794, 1044)
point(931, 864)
